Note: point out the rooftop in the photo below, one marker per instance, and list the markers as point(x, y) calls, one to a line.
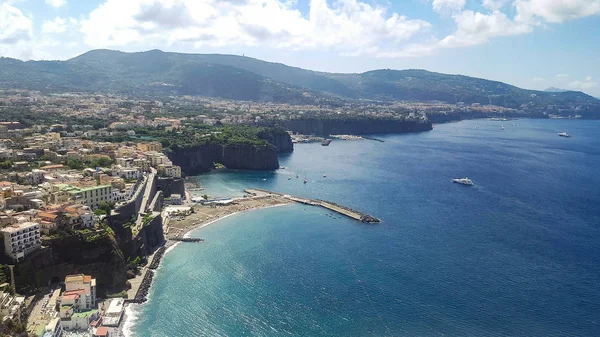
point(84, 314)
point(18, 227)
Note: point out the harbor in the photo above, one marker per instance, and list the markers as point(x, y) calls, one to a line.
point(343, 210)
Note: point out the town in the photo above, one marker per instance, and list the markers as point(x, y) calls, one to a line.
point(85, 179)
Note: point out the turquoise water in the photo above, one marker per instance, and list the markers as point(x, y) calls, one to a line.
point(515, 255)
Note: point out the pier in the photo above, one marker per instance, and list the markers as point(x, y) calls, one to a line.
point(346, 211)
point(181, 239)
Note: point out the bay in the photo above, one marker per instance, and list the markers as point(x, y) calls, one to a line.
point(515, 255)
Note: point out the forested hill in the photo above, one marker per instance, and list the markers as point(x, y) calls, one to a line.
point(244, 78)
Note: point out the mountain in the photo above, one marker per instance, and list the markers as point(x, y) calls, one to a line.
point(553, 89)
point(242, 78)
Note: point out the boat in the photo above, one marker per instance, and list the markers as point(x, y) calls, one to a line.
point(324, 176)
point(305, 181)
point(463, 181)
point(326, 142)
point(502, 127)
point(564, 134)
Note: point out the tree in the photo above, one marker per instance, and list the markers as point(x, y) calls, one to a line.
point(105, 206)
point(75, 164)
point(5, 165)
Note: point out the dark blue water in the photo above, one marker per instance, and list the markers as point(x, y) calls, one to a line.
point(518, 254)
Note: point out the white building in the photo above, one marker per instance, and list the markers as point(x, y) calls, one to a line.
point(53, 328)
point(114, 313)
point(89, 196)
point(36, 177)
point(21, 239)
point(128, 173)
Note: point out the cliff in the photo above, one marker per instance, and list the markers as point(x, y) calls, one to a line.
point(279, 138)
point(201, 158)
point(327, 127)
point(94, 254)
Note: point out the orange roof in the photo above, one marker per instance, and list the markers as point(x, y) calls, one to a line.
point(49, 167)
point(47, 215)
point(87, 278)
point(72, 292)
point(102, 331)
point(70, 297)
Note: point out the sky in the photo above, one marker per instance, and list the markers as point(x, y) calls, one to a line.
point(533, 44)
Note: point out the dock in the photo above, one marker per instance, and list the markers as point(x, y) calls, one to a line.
point(180, 239)
point(343, 210)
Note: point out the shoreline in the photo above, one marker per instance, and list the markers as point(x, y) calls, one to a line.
point(129, 316)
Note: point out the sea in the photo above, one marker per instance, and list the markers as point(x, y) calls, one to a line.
point(517, 254)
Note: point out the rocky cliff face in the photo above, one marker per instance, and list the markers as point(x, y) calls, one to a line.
point(99, 256)
point(200, 159)
point(279, 138)
point(355, 127)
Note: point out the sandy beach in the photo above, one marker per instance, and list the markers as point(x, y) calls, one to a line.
point(205, 215)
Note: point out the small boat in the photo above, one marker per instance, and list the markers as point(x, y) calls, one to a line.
point(502, 128)
point(326, 142)
point(296, 176)
point(324, 176)
point(564, 134)
point(463, 181)
point(305, 181)
point(264, 179)
point(289, 178)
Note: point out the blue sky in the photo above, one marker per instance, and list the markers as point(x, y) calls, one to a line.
point(529, 43)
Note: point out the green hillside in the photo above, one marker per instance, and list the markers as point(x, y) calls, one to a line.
point(242, 78)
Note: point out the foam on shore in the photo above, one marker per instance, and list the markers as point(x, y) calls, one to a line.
point(132, 309)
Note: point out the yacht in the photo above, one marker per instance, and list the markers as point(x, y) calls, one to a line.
point(564, 134)
point(463, 181)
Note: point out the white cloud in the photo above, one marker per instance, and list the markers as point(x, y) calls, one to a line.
point(15, 32)
point(14, 26)
point(494, 5)
point(475, 28)
point(538, 79)
point(56, 3)
point(441, 6)
point(347, 26)
point(58, 25)
point(555, 11)
point(562, 76)
point(587, 83)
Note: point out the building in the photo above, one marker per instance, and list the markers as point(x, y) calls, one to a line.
point(173, 171)
point(88, 196)
point(53, 328)
point(128, 173)
point(36, 177)
point(21, 239)
point(102, 332)
point(84, 287)
point(150, 147)
point(113, 315)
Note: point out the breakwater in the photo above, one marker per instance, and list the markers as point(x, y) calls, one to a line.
point(343, 210)
point(157, 257)
point(142, 292)
point(181, 239)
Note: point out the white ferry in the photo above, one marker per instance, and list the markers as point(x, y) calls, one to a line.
point(463, 181)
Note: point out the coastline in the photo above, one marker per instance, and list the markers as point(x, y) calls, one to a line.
point(130, 313)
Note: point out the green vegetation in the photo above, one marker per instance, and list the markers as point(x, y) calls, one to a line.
point(155, 73)
point(10, 328)
point(5, 165)
point(122, 294)
point(107, 207)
